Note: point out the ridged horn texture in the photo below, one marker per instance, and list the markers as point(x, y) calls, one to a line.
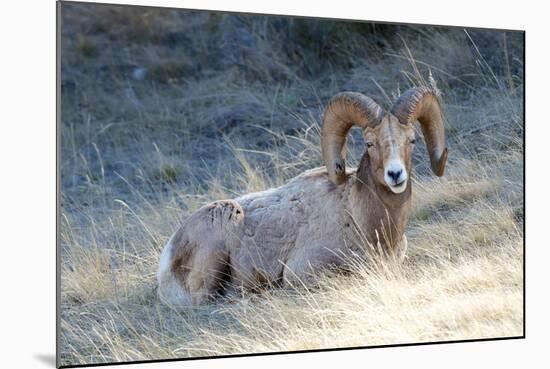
point(342, 112)
point(422, 104)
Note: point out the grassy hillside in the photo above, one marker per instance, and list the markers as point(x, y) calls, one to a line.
point(165, 110)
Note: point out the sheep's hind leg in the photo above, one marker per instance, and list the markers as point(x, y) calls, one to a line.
point(208, 272)
point(195, 263)
point(194, 274)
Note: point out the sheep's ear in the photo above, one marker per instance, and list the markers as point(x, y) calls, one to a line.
point(369, 135)
point(369, 132)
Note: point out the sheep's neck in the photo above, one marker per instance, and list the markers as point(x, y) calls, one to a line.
point(381, 214)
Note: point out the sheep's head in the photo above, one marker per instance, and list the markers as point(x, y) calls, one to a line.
point(389, 138)
point(389, 148)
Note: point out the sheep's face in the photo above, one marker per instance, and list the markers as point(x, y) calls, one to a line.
point(389, 148)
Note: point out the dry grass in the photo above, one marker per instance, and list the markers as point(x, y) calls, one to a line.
point(140, 152)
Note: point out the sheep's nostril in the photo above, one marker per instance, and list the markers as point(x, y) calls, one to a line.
point(395, 174)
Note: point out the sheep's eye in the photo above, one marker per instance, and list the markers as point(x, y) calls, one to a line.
point(413, 141)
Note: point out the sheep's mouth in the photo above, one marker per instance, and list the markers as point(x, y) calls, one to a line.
point(399, 187)
point(400, 183)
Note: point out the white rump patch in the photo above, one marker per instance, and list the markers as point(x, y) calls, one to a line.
point(169, 290)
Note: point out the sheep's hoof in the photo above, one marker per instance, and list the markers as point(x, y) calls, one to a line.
point(340, 168)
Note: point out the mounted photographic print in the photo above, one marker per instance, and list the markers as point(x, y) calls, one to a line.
point(239, 184)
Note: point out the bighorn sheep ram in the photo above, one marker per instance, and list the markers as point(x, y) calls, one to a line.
point(313, 221)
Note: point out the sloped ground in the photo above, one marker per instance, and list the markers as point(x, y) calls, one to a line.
point(163, 111)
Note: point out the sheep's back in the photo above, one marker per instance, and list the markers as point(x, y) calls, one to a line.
point(303, 216)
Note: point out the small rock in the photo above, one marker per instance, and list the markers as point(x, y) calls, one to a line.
point(139, 73)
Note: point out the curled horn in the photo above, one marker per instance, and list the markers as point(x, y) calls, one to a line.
point(422, 104)
point(342, 112)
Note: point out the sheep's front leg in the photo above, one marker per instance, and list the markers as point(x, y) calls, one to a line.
point(304, 265)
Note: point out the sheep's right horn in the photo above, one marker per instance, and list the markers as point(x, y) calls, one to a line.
point(342, 112)
point(422, 104)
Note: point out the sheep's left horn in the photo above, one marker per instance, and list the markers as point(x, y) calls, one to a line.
point(422, 104)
